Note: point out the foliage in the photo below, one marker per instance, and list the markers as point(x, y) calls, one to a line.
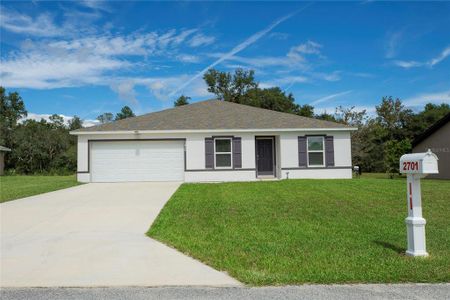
point(306, 110)
point(41, 146)
point(105, 118)
point(75, 123)
point(242, 88)
point(424, 119)
point(12, 109)
point(392, 151)
point(182, 100)
point(124, 113)
point(232, 88)
point(307, 231)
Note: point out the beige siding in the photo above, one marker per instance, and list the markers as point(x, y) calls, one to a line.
point(439, 143)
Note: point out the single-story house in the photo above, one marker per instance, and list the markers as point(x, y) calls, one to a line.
point(2, 159)
point(213, 141)
point(437, 139)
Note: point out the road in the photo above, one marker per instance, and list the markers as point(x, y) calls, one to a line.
point(358, 291)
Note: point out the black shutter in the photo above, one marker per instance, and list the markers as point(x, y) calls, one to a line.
point(329, 151)
point(209, 153)
point(302, 159)
point(237, 155)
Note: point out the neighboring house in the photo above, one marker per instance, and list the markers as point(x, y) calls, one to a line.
point(213, 141)
point(437, 138)
point(2, 159)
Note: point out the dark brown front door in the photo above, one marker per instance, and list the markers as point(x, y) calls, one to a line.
point(264, 156)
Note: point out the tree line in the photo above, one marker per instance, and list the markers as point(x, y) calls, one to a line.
point(377, 144)
point(47, 147)
point(40, 146)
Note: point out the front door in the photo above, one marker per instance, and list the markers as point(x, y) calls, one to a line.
point(264, 156)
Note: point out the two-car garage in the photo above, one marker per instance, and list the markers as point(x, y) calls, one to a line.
point(136, 160)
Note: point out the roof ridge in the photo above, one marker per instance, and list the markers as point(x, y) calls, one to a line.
point(215, 114)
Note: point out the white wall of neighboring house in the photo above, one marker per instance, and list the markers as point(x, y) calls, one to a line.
point(286, 155)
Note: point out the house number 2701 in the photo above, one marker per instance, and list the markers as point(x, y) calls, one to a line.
point(410, 165)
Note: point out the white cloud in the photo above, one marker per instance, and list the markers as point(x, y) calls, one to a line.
point(201, 40)
point(407, 64)
point(92, 60)
point(430, 63)
point(333, 76)
point(309, 47)
point(55, 67)
point(96, 5)
point(392, 44)
point(444, 54)
point(187, 58)
point(125, 90)
point(295, 58)
point(38, 117)
point(424, 98)
point(329, 97)
point(248, 42)
point(42, 25)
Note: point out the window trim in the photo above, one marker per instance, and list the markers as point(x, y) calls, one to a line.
point(230, 153)
point(315, 151)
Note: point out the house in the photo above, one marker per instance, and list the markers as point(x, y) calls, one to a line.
point(213, 141)
point(437, 139)
point(2, 158)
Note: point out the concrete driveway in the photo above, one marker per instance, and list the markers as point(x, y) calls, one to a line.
point(94, 235)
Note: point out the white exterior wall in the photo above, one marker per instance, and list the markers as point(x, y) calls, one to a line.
point(286, 155)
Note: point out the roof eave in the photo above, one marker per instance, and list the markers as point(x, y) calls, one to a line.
point(212, 130)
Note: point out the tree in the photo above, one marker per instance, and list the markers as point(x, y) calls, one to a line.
point(271, 98)
point(75, 123)
point(41, 147)
point(351, 117)
point(306, 110)
point(326, 117)
point(242, 88)
point(105, 118)
point(393, 117)
point(424, 119)
point(232, 88)
point(392, 151)
point(182, 100)
point(124, 113)
point(12, 109)
point(57, 121)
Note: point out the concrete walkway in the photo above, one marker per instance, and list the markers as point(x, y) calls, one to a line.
point(94, 235)
point(309, 292)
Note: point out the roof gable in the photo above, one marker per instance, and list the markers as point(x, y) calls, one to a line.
point(432, 129)
point(214, 115)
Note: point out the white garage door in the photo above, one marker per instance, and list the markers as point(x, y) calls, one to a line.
point(137, 161)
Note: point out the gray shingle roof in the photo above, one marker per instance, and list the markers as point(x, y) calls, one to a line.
point(213, 114)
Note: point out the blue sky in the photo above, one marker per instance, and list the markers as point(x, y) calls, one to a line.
point(84, 58)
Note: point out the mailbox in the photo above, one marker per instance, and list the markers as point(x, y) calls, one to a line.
point(419, 163)
point(416, 166)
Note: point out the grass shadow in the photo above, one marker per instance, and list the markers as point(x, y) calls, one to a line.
point(399, 250)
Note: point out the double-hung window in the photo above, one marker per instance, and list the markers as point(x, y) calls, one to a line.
point(316, 151)
point(222, 153)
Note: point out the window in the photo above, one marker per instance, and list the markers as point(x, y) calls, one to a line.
point(222, 152)
point(316, 153)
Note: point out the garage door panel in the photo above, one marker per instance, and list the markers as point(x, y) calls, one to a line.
point(137, 161)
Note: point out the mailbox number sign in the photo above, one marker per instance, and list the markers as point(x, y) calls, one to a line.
point(410, 166)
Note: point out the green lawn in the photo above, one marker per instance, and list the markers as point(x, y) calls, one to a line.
point(14, 187)
point(315, 231)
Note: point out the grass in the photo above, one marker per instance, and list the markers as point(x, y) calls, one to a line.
point(15, 187)
point(308, 231)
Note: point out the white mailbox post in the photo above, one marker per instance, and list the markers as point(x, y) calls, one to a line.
point(416, 166)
